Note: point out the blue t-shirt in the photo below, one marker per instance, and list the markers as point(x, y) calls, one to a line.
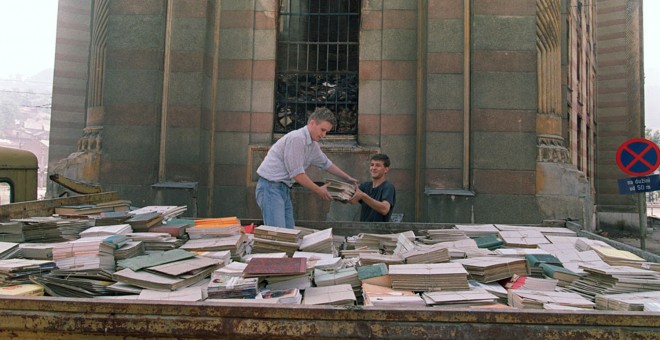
point(384, 192)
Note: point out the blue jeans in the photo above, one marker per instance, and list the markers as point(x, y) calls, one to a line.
point(274, 199)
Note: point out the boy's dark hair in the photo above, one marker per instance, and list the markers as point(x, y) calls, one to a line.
point(323, 114)
point(381, 157)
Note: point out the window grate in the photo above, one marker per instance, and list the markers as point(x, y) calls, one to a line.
point(317, 63)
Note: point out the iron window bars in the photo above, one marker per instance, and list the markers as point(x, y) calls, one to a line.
point(317, 63)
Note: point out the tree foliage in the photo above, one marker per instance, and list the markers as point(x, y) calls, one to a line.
point(653, 136)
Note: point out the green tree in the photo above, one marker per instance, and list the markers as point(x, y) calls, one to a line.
point(653, 136)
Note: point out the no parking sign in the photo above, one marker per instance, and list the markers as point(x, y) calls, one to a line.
point(638, 157)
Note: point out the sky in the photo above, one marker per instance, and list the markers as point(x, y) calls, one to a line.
point(28, 28)
point(652, 64)
point(27, 36)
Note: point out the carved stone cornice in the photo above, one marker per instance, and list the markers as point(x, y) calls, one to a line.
point(551, 149)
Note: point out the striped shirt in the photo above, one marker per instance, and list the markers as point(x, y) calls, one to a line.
point(291, 155)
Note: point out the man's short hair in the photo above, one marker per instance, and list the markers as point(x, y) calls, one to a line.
point(381, 157)
point(323, 114)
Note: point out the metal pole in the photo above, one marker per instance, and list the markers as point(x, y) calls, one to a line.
point(642, 220)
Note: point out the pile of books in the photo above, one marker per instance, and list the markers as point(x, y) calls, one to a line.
point(93, 209)
point(167, 271)
point(375, 295)
point(339, 295)
point(534, 299)
point(269, 239)
point(89, 253)
point(429, 277)
point(17, 271)
point(462, 298)
point(224, 286)
point(156, 241)
point(491, 269)
point(443, 235)
point(523, 238)
point(627, 301)
point(340, 191)
point(235, 244)
point(9, 250)
point(319, 242)
point(214, 227)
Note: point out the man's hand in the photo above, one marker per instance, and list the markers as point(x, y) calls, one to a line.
point(357, 196)
point(324, 193)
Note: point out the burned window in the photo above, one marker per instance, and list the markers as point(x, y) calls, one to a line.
point(317, 63)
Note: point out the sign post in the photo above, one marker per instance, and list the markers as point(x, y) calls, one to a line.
point(639, 157)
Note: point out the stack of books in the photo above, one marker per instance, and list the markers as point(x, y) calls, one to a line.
point(429, 277)
point(536, 260)
point(224, 286)
point(476, 230)
point(341, 295)
point(443, 235)
point(28, 289)
point(375, 295)
point(367, 258)
point(523, 238)
point(11, 232)
point(37, 251)
point(235, 244)
point(375, 274)
point(321, 261)
point(215, 227)
point(129, 249)
point(167, 211)
point(46, 229)
point(627, 301)
point(491, 269)
point(534, 299)
point(616, 257)
point(614, 280)
point(167, 271)
point(340, 191)
point(9, 250)
point(70, 284)
point(110, 218)
point(156, 241)
point(426, 254)
point(584, 244)
point(563, 275)
point(89, 253)
point(462, 298)
point(269, 239)
point(93, 209)
point(383, 242)
point(117, 229)
point(546, 231)
point(143, 221)
point(531, 283)
point(18, 271)
point(574, 260)
point(319, 242)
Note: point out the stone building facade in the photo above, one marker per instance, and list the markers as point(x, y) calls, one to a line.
point(486, 108)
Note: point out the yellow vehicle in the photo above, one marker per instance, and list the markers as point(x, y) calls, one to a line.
point(18, 175)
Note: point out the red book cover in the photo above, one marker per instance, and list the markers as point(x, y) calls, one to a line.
point(263, 266)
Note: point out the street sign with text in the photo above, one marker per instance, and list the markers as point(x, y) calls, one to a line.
point(639, 184)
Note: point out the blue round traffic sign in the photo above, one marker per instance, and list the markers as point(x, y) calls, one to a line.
point(638, 157)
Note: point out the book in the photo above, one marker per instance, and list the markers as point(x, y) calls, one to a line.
point(330, 295)
point(275, 266)
point(28, 289)
point(339, 190)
